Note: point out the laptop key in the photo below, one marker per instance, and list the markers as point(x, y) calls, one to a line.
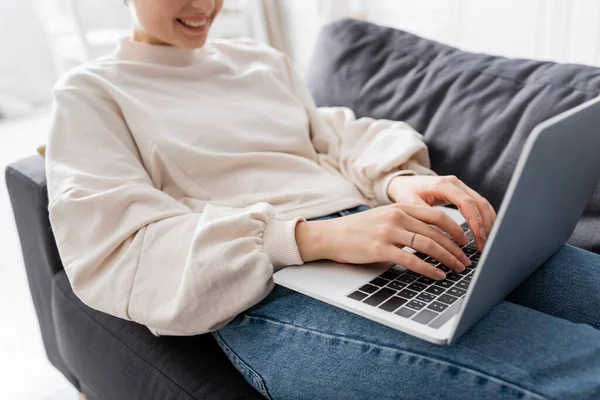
point(396, 285)
point(389, 275)
point(379, 297)
point(436, 290)
point(456, 292)
point(437, 306)
point(407, 294)
point(358, 295)
point(425, 316)
point(426, 297)
point(468, 278)
point(379, 282)
point(471, 245)
point(465, 272)
point(432, 261)
point(453, 276)
point(393, 303)
point(417, 287)
point(446, 298)
point(416, 305)
point(406, 278)
point(405, 312)
point(444, 268)
point(369, 289)
point(422, 256)
point(464, 284)
point(445, 284)
point(412, 273)
point(425, 280)
point(469, 251)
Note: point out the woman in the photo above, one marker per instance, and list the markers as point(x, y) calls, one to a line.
point(183, 172)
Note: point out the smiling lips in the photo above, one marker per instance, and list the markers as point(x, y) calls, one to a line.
point(195, 24)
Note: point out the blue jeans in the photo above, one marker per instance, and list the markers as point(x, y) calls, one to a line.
point(542, 342)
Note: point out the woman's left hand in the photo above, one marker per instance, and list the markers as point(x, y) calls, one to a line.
point(442, 190)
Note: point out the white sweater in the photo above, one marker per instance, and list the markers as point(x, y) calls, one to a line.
point(176, 177)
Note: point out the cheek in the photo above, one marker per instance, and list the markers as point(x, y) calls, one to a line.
point(158, 24)
point(157, 16)
point(218, 5)
point(163, 22)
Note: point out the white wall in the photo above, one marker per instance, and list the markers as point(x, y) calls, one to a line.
point(557, 30)
point(26, 64)
point(565, 31)
point(301, 24)
point(39, 39)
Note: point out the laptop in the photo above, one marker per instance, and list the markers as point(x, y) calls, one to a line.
point(554, 179)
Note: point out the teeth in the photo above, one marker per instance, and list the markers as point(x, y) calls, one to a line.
point(193, 24)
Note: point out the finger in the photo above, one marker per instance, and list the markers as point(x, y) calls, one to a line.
point(493, 212)
point(450, 254)
point(440, 219)
point(435, 250)
point(426, 245)
point(485, 208)
point(417, 201)
point(414, 263)
point(468, 208)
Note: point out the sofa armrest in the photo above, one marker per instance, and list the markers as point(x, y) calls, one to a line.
point(26, 183)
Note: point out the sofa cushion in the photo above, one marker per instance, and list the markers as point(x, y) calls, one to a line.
point(474, 110)
point(118, 359)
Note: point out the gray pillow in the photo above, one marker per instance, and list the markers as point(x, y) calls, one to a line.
point(474, 110)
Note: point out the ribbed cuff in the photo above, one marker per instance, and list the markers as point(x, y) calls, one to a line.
point(279, 242)
point(380, 186)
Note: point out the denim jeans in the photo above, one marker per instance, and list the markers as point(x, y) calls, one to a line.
point(541, 342)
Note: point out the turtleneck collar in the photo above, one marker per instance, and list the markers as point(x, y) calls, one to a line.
point(132, 50)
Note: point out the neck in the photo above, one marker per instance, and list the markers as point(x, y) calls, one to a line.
point(141, 36)
point(131, 49)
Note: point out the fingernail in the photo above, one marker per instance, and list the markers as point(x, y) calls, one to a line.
point(440, 275)
point(482, 233)
point(466, 238)
point(460, 267)
point(466, 260)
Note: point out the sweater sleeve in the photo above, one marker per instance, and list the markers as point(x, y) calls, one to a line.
point(131, 250)
point(367, 152)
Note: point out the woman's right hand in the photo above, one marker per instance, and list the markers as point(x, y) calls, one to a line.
point(378, 235)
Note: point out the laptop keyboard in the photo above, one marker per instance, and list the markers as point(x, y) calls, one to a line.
point(414, 296)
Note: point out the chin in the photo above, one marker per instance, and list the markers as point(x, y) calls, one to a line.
point(191, 44)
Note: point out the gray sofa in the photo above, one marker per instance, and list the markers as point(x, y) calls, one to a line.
point(474, 110)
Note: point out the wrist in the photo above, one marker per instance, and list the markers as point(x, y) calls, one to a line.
point(311, 240)
point(392, 187)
